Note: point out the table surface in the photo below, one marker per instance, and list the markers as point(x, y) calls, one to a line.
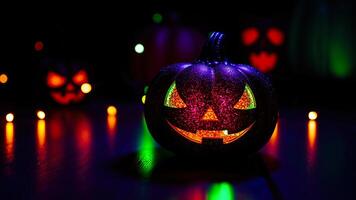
point(82, 153)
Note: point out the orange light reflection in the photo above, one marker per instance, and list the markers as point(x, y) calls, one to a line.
point(41, 133)
point(272, 145)
point(83, 135)
point(41, 154)
point(111, 128)
point(9, 142)
point(311, 148)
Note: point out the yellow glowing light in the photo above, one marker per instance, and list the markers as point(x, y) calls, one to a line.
point(313, 115)
point(85, 88)
point(143, 99)
point(3, 78)
point(10, 117)
point(111, 110)
point(139, 48)
point(41, 114)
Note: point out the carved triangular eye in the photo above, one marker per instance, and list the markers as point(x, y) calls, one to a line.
point(247, 100)
point(172, 99)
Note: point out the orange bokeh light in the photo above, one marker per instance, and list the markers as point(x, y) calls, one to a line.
point(3, 78)
point(111, 110)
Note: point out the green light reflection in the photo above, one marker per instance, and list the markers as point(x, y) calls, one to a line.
point(146, 152)
point(223, 190)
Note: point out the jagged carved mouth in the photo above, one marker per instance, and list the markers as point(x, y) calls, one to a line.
point(211, 134)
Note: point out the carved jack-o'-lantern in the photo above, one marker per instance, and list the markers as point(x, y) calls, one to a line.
point(211, 105)
point(262, 44)
point(67, 83)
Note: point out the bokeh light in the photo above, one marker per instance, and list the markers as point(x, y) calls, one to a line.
point(86, 88)
point(143, 99)
point(157, 18)
point(111, 110)
point(3, 78)
point(39, 45)
point(10, 117)
point(41, 114)
point(312, 115)
point(139, 48)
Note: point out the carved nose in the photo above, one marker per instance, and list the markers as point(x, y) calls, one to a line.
point(210, 115)
point(70, 87)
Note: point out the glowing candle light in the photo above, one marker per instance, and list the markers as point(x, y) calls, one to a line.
point(111, 110)
point(41, 114)
point(86, 88)
point(3, 78)
point(10, 117)
point(312, 115)
point(111, 124)
point(139, 48)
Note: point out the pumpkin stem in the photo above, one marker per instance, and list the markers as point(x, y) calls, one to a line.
point(214, 48)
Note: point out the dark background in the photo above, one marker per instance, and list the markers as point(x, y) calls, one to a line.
point(104, 36)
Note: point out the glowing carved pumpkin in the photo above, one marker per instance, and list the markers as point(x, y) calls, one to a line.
point(64, 82)
point(211, 105)
point(263, 45)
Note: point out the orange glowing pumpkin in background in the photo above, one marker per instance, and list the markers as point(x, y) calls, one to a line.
point(67, 83)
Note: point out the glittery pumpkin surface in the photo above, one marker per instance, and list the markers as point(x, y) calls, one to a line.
point(210, 107)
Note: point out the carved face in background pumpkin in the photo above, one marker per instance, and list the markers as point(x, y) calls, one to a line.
point(64, 82)
point(262, 44)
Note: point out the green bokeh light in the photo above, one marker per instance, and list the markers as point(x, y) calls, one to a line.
point(157, 18)
point(145, 89)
